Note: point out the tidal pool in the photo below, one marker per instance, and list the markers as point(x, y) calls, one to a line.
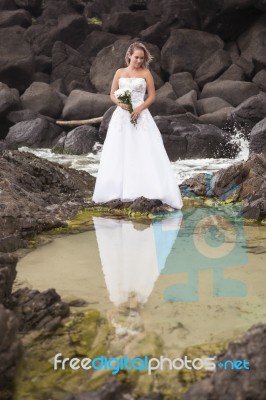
point(191, 277)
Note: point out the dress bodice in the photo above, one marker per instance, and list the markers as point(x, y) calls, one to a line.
point(138, 87)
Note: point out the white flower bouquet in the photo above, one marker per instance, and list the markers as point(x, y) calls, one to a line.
point(124, 95)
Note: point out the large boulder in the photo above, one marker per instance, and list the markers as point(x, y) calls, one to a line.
point(70, 66)
point(95, 42)
point(187, 49)
point(226, 18)
point(9, 99)
point(16, 59)
point(10, 352)
point(189, 102)
point(260, 80)
point(126, 23)
point(183, 83)
point(12, 18)
point(82, 105)
point(42, 98)
point(80, 140)
point(166, 106)
point(37, 133)
point(212, 67)
point(166, 91)
point(157, 33)
point(7, 5)
point(52, 11)
point(210, 105)
point(33, 6)
point(233, 92)
point(252, 42)
point(233, 73)
point(114, 56)
point(184, 140)
point(249, 113)
point(258, 138)
point(69, 29)
point(218, 118)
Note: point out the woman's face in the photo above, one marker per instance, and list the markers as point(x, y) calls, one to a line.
point(137, 58)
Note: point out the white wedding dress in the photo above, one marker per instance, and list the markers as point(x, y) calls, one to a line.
point(134, 162)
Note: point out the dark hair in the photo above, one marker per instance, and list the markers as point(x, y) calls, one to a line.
point(138, 45)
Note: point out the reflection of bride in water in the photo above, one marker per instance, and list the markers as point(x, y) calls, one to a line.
point(133, 254)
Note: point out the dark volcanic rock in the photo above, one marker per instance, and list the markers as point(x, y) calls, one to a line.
point(260, 80)
point(212, 67)
point(183, 83)
point(258, 138)
point(249, 113)
point(70, 66)
point(42, 98)
point(34, 6)
point(16, 59)
point(38, 310)
point(37, 133)
point(165, 106)
point(80, 140)
point(187, 49)
point(95, 42)
point(233, 92)
point(230, 383)
point(10, 352)
point(12, 18)
point(218, 118)
point(189, 102)
point(211, 104)
point(233, 73)
point(82, 105)
point(126, 23)
point(7, 276)
point(37, 195)
point(9, 99)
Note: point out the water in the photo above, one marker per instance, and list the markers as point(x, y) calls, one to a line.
point(194, 277)
point(183, 169)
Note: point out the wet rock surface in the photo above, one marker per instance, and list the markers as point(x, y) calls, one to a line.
point(37, 195)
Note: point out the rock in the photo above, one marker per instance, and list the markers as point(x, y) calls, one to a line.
point(53, 11)
point(105, 123)
point(227, 19)
point(42, 98)
point(183, 83)
point(183, 13)
point(9, 99)
point(165, 126)
point(211, 104)
point(70, 66)
point(12, 18)
point(218, 118)
point(233, 51)
point(196, 141)
point(83, 105)
point(37, 195)
point(22, 115)
point(252, 42)
point(166, 106)
point(247, 66)
point(233, 73)
point(81, 140)
point(7, 276)
point(258, 138)
point(43, 64)
point(255, 209)
point(10, 352)
point(233, 92)
point(69, 29)
point(260, 80)
point(112, 389)
point(41, 77)
point(33, 6)
point(7, 5)
point(16, 59)
point(114, 57)
point(37, 133)
point(166, 91)
point(249, 113)
point(126, 23)
point(213, 67)
point(157, 33)
point(229, 383)
point(95, 42)
point(189, 102)
point(187, 49)
point(39, 310)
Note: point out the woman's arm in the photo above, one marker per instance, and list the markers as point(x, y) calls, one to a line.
point(150, 99)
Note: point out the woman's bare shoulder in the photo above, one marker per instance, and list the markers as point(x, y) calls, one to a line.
point(119, 72)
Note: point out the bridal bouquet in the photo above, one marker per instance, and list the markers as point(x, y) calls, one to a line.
point(124, 95)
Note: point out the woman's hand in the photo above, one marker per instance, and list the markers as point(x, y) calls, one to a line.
point(122, 105)
point(136, 113)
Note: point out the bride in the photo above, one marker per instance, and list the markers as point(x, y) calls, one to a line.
point(134, 162)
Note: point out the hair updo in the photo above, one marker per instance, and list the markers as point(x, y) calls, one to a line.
point(147, 55)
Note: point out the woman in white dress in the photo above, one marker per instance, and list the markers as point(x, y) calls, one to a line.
point(134, 162)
